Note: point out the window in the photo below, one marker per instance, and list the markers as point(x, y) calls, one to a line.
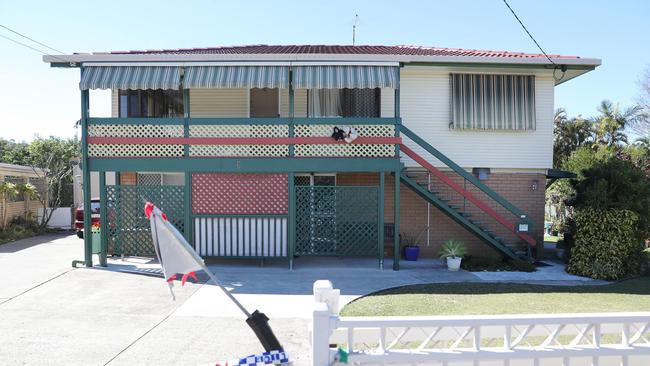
point(492, 102)
point(150, 103)
point(319, 179)
point(264, 102)
point(344, 103)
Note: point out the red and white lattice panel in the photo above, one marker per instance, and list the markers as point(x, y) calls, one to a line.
point(239, 194)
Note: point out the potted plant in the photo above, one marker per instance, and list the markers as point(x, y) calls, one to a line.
point(453, 250)
point(411, 247)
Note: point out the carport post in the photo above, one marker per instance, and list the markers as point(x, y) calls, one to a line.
point(88, 249)
point(291, 220)
point(187, 198)
point(396, 207)
point(380, 220)
point(103, 220)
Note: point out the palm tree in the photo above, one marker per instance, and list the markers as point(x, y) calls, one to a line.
point(29, 192)
point(609, 127)
point(643, 142)
point(570, 134)
point(7, 190)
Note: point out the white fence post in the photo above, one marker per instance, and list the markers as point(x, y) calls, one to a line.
point(320, 349)
point(326, 309)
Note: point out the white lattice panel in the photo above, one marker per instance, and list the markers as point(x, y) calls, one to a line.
point(135, 150)
point(362, 130)
point(348, 150)
point(239, 131)
point(144, 130)
point(239, 150)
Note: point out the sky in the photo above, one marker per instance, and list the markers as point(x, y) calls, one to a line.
point(37, 99)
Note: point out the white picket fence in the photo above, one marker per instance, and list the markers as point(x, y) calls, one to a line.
point(602, 339)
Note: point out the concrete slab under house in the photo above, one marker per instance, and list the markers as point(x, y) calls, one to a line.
point(235, 145)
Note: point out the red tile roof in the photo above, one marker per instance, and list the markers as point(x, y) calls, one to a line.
point(342, 49)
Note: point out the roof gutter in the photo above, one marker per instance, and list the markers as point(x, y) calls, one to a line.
point(76, 59)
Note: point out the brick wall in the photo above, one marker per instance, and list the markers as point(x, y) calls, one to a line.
point(514, 187)
point(128, 178)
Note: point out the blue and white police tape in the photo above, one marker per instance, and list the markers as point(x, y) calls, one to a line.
point(266, 358)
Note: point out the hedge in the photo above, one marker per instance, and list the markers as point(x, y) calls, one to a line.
point(607, 244)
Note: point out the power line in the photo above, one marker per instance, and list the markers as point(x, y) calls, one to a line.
point(31, 39)
point(32, 48)
point(529, 35)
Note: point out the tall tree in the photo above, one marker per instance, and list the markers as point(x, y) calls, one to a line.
point(610, 125)
point(642, 125)
point(12, 152)
point(52, 160)
point(569, 135)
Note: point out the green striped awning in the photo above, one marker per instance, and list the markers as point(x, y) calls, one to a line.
point(130, 77)
point(345, 76)
point(236, 77)
point(492, 102)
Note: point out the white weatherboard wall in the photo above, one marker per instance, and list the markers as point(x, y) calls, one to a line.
point(425, 109)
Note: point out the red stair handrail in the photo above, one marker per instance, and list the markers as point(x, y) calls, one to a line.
point(468, 195)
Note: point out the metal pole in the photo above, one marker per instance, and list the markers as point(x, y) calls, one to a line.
point(230, 296)
point(380, 220)
point(396, 236)
point(103, 219)
point(396, 208)
point(291, 221)
point(88, 255)
point(187, 203)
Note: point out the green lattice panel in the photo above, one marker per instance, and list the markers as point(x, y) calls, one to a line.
point(129, 230)
point(338, 221)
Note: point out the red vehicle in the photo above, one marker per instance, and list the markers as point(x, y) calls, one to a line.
point(79, 216)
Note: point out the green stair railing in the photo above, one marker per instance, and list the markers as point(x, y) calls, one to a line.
point(513, 227)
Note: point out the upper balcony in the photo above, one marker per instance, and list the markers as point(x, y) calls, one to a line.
point(247, 118)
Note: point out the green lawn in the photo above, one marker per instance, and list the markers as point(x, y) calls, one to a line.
point(503, 298)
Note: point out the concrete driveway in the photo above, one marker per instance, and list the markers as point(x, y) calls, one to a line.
point(51, 314)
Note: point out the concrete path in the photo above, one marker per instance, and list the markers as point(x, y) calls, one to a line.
point(123, 315)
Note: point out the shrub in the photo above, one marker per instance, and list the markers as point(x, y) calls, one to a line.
point(607, 245)
point(616, 184)
point(494, 264)
point(522, 265)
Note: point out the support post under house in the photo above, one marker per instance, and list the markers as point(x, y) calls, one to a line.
point(88, 255)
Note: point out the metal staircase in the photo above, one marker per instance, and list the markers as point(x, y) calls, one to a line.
point(459, 212)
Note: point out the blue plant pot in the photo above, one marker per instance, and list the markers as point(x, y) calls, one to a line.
point(411, 253)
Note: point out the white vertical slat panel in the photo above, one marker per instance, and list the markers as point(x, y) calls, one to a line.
point(247, 237)
point(209, 239)
point(272, 242)
point(202, 235)
point(228, 236)
point(240, 236)
point(265, 237)
point(259, 235)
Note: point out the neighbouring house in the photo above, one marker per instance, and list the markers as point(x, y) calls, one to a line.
point(21, 205)
point(234, 144)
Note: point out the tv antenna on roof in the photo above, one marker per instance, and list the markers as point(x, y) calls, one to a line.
point(354, 28)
